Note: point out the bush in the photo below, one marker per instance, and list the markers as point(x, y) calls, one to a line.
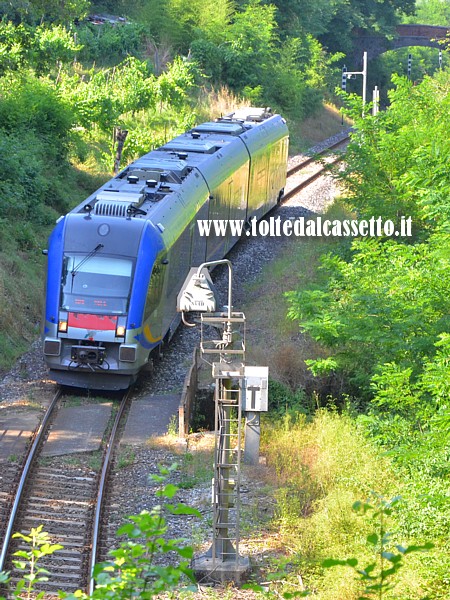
point(282, 400)
point(29, 103)
point(107, 44)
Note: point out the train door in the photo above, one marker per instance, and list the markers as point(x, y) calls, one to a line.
point(273, 175)
point(154, 307)
point(257, 198)
point(199, 242)
point(277, 174)
point(238, 204)
point(228, 199)
point(179, 262)
point(219, 213)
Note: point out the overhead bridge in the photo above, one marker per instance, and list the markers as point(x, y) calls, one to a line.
point(405, 35)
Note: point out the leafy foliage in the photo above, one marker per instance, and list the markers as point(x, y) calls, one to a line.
point(133, 571)
point(36, 125)
point(432, 12)
point(35, 11)
point(283, 401)
point(396, 169)
point(384, 305)
point(27, 562)
point(109, 43)
point(396, 320)
point(62, 12)
point(381, 312)
point(375, 17)
point(34, 104)
point(247, 55)
point(42, 47)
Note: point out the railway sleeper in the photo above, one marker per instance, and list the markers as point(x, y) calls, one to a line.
point(69, 554)
point(56, 576)
point(51, 519)
point(58, 510)
point(58, 538)
point(61, 483)
point(72, 503)
point(57, 475)
point(61, 565)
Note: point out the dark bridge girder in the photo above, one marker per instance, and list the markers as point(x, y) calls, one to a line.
point(407, 35)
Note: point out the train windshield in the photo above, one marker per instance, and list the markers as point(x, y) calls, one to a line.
point(96, 284)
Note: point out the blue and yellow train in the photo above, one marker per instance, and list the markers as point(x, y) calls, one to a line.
point(117, 261)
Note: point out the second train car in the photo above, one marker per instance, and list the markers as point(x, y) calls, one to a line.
point(117, 261)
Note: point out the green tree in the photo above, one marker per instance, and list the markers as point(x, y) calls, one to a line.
point(395, 169)
point(311, 16)
point(15, 45)
point(369, 15)
point(432, 12)
point(61, 11)
point(35, 104)
point(44, 48)
point(385, 303)
point(251, 39)
point(53, 46)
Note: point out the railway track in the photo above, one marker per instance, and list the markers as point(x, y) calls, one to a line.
point(63, 497)
point(301, 166)
point(67, 499)
point(13, 486)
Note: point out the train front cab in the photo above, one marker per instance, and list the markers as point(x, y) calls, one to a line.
point(97, 282)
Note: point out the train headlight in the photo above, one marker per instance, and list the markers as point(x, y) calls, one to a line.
point(121, 327)
point(63, 322)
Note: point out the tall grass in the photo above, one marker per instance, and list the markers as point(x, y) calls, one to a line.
point(326, 122)
point(20, 300)
point(322, 467)
point(216, 102)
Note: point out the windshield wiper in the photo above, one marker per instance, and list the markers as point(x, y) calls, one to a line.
point(85, 259)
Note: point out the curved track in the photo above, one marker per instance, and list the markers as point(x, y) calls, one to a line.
point(68, 502)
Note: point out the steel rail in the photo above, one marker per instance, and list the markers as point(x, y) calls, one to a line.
point(309, 180)
point(101, 491)
point(313, 158)
point(32, 453)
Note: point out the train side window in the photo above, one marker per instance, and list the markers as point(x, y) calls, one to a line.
point(179, 261)
point(64, 271)
point(155, 287)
